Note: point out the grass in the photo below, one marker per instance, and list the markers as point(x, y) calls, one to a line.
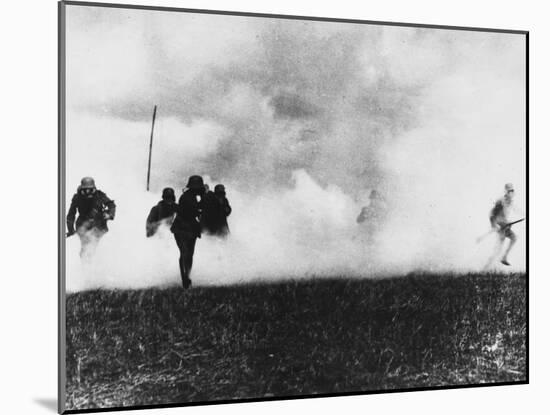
point(162, 346)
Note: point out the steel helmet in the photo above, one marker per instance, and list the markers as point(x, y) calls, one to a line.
point(195, 183)
point(87, 183)
point(168, 194)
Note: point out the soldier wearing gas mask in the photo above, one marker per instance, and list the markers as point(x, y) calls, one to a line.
point(94, 210)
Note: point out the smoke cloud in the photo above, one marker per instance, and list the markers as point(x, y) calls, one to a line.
point(299, 120)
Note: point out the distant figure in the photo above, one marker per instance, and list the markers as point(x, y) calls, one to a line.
point(500, 223)
point(162, 212)
point(372, 215)
point(215, 210)
point(94, 210)
point(186, 226)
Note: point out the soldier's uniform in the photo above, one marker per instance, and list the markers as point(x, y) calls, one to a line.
point(163, 211)
point(186, 226)
point(94, 210)
point(500, 218)
point(215, 210)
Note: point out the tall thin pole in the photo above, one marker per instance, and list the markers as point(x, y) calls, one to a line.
point(151, 147)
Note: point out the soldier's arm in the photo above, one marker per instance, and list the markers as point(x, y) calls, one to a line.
point(153, 215)
point(228, 209)
point(71, 215)
point(493, 221)
point(493, 215)
point(110, 207)
point(151, 222)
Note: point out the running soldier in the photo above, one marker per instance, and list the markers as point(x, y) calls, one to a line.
point(501, 224)
point(215, 210)
point(94, 210)
point(371, 218)
point(186, 226)
point(162, 212)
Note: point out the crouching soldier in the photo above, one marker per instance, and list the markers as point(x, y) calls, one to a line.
point(162, 212)
point(94, 210)
point(215, 210)
point(186, 226)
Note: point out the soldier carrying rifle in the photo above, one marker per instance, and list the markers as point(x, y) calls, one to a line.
point(94, 210)
point(501, 224)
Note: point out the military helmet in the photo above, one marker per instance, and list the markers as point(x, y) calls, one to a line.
point(168, 194)
point(87, 183)
point(219, 188)
point(195, 183)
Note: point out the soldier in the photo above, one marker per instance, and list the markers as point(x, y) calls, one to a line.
point(374, 210)
point(186, 226)
point(500, 223)
point(215, 210)
point(207, 201)
point(162, 212)
point(94, 210)
point(372, 216)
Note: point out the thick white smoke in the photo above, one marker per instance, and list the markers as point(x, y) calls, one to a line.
point(300, 120)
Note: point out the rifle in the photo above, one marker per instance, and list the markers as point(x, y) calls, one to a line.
point(505, 226)
point(513, 223)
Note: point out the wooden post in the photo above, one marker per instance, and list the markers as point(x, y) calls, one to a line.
point(151, 147)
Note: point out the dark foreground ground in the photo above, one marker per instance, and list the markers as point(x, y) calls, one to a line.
point(159, 346)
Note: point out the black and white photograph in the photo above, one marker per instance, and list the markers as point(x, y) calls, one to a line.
point(259, 207)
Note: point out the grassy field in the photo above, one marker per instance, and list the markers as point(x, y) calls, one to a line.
point(159, 346)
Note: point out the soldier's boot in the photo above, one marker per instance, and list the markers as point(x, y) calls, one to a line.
point(186, 282)
point(187, 265)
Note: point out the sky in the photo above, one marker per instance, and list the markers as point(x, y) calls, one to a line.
point(300, 120)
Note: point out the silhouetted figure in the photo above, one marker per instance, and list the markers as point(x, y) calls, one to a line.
point(215, 210)
point(206, 201)
point(374, 211)
point(372, 217)
point(500, 222)
point(94, 210)
point(162, 212)
point(186, 226)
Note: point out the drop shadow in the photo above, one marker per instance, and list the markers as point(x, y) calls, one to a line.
point(48, 403)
